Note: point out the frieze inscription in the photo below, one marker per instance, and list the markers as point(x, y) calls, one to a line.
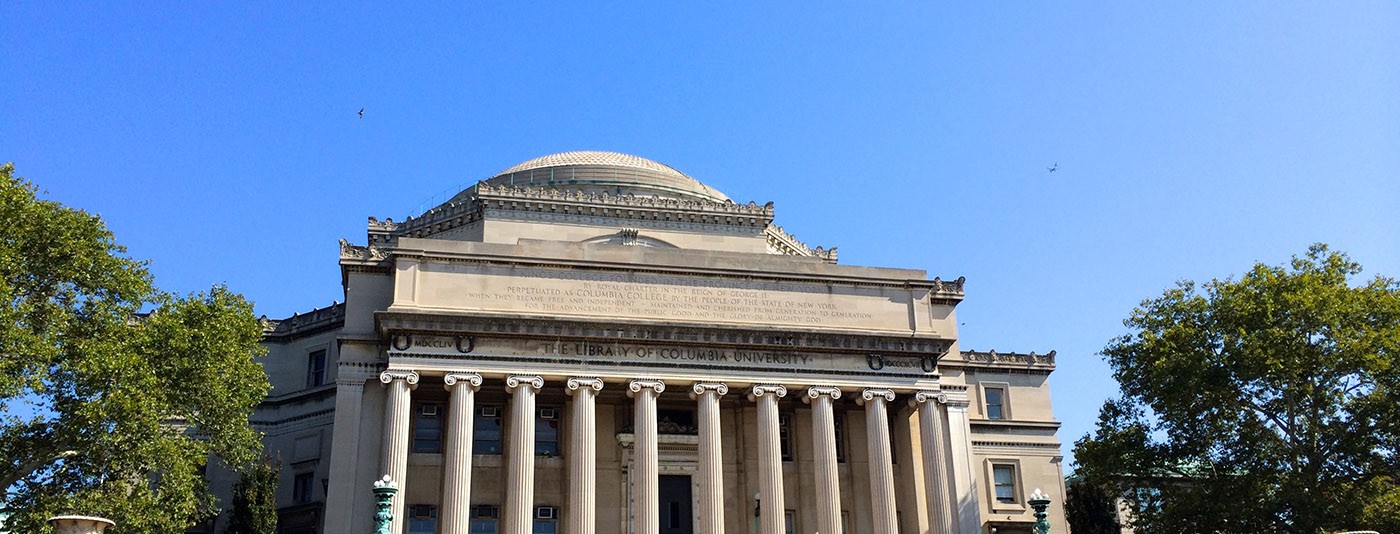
point(448, 346)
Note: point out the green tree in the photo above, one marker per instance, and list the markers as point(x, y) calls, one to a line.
point(255, 499)
point(1090, 508)
point(114, 393)
point(1265, 404)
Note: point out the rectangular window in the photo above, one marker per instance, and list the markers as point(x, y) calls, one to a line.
point(547, 432)
point(422, 519)
point(486, 431)
point(1004, 480)
point(790, 521)
point(785, 436)
point(427, 428)
point(483, 519)
point(840, 420)
point(996, 403)
point(303, 488)
point(316, 368)
point(546, 520)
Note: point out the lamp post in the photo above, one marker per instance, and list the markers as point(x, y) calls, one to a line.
point(384, 491)
point(79, 524)
point(1039, 502)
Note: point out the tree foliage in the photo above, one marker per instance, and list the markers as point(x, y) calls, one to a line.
point(1265, 404)
point(255, 499)
point(1090, 508)
point(115, 394)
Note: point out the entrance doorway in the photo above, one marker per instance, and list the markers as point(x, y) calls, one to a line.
point(677, 514)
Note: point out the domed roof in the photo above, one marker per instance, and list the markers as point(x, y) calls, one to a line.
point(606, 172)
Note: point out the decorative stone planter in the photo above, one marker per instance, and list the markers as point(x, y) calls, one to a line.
point(79, 524)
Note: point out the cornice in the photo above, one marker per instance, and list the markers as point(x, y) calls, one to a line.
point(1011, 423)
point(781, 242)
point(729, 337)
point(996, 359)
point(315, 321)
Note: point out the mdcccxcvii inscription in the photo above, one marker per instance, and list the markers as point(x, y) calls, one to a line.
point(469, 346)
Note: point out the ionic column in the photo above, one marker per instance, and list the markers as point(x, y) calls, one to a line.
point(770, 458)
point(877, 425)
point(520, 471)
point(646, 481)
point(583, 455)
point(934, 452)
point(457, 457)
point(393, 459)
point(711, 462)
point(824, 434)
point(969, 508)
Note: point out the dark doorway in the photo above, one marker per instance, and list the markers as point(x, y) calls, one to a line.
point(677, 516)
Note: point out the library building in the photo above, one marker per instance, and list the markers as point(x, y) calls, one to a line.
point(593, 342)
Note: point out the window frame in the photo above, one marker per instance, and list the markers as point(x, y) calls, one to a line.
point(787, 448)
point(411, 514)
point(478, 428)
point(541, 423)
point(304, 487)
point(316, 367)
point(484, 512)
point(1018, 494)
point(420, 416)
point(1004, 389)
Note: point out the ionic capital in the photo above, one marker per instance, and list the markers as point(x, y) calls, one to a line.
point(535, 382)
point(817, 392)
point(388, 377)
point(926, 396)
point(636, 386)
point(699, 388)
point(471, 380)
point(778, 391)
point(583, 383)
point(870, 394)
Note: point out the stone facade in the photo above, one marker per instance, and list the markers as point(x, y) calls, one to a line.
point(592, 342)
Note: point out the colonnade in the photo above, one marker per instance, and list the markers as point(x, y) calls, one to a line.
point(516, 513)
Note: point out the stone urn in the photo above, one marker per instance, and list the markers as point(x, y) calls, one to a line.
point(79, 524)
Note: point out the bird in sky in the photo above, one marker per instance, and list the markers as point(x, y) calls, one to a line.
point(362, 113)
point(1051, 168)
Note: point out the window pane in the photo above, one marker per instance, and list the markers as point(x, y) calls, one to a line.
point(482, 526)
point(994, 403)
point(785, 436)
point(545, 527)
point(427, 429)
point(547, 432)
point(422, 519)
point(316, 368)
point(1004, 478)
point(486, 432)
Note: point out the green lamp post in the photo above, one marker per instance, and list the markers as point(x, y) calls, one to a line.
point(384, 491)
point(1039, 502)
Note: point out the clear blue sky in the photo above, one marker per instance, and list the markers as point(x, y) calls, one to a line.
point(221, 141)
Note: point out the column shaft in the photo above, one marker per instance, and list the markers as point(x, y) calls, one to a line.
point(934, 455)
point(770, 458)
point(711, 458)
point(341, 494)
point(877, 424)
point(968, 506)
point(583, 458)
point(520, 471)
point(824, 434)
point(646, 481)
point(457, 452)
point(393, 460)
